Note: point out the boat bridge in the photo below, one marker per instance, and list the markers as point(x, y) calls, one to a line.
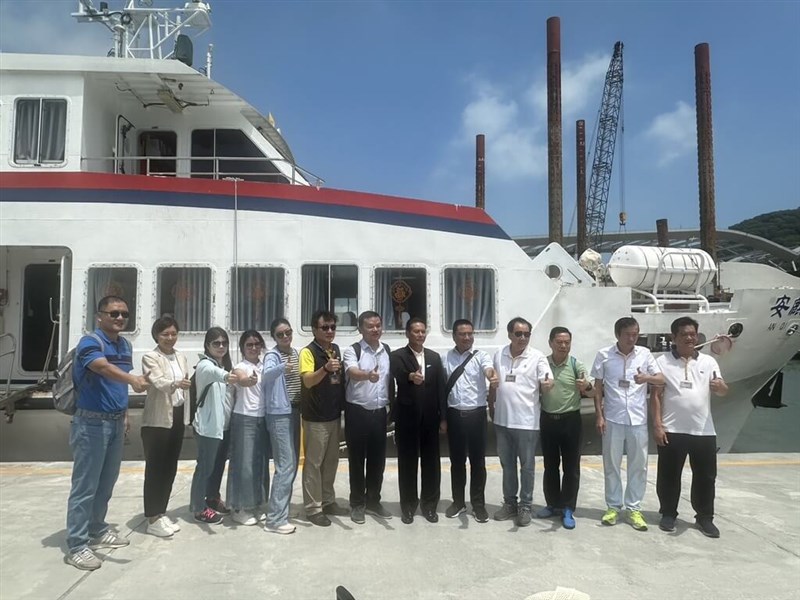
point(732, 245)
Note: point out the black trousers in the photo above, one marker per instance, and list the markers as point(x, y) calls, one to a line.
point(223, 454)
point(561, 448)
point(162, 449)
point(702, 451)
point(466, 437)
point(417, 438)
point(365, 434)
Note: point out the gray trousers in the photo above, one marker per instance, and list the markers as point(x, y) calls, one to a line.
point(321, 449)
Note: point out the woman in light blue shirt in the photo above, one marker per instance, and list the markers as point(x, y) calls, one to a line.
point(213, 373)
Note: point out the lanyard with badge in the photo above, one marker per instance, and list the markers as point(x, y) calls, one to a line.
point(686, 384)
point(510, 377)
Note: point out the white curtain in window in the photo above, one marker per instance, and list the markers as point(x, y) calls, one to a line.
point(383, 299)
point(109, 281)
point(469, 294)
point(315, 291)
point(192, 294)
point(259, 299)
point(54, 130)
point(26, 131)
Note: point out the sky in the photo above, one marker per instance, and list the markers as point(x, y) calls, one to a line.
point(387, 97)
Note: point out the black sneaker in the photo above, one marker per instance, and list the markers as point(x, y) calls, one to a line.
point(506, 512)
point(209, 516)
point(320, 520)
point(218, 506)
point(454, 510)
point(335, 510)
point(667, 523)
point(480, 514)
point(357, 515)
point(706, 525)
point(523, 516)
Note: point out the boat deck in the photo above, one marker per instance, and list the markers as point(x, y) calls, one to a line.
point(757, 556)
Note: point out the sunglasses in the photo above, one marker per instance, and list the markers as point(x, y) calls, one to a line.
point(284, 334)
point(116, 314)
point(219, 344)
point(327, 327)
point(253, 345)
point(525, 334)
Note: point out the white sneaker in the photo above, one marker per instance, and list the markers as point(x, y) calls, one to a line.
point(260, 515)
point(284, 529)
point(84, 559)
point(244, 518)
point(160, 528)
point(171, 524)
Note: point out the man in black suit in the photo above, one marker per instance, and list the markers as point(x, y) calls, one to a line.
point(420, 411)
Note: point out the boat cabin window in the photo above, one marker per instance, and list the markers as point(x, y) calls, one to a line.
point(469, 294)
point(331, 287)
point(400, 294)
point(185, 293)
point(257, 297)
point(111, 281)
point(233, 155)
point(159, 149)
point(40, 131)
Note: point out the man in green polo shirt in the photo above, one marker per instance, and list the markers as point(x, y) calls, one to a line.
point(560, 425)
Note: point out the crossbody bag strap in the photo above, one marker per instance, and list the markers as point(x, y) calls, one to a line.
point(451, 381)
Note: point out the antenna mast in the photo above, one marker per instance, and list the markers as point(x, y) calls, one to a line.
point(141, 31)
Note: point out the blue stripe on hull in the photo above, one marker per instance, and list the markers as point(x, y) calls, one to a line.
point(273, 205)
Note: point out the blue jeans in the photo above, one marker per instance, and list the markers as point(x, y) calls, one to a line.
point(97, 454)
point(246, 467)
point(296, 424)
point(279, 431)
point(207, 448)
point(513, 444)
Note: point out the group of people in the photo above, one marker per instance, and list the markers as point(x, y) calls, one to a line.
point(251, 412)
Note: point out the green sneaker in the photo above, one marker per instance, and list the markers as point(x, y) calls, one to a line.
point(609, 517)
point(636, 520)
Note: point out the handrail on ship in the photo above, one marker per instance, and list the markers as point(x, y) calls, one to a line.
point(13, 353)
point(117, 166)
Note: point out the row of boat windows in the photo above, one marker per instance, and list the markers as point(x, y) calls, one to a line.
point(258, 295)
point(40, 127)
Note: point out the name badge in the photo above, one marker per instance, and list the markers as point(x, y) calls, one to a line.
point(624, 384)
point(511, 378)
point(686, 385)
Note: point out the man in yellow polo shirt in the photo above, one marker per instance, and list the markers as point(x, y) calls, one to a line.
point(561, 429)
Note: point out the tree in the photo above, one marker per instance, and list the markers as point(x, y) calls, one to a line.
point(781, 227)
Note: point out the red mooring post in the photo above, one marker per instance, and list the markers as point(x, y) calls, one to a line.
point(580, 185)
point(705, 150)
point(480, 171)
point(554, 159)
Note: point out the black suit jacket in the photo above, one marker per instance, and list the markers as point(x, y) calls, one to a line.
point(429, 398)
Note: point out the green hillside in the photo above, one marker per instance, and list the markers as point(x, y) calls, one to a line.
point(781, 227)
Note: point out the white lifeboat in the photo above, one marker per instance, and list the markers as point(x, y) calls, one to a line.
point(646, 267)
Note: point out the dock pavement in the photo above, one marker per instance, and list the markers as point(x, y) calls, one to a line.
point(756, 557)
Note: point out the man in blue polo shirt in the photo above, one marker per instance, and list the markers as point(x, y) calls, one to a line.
point(101, 374)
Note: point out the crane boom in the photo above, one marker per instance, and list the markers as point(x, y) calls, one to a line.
point(602, 162)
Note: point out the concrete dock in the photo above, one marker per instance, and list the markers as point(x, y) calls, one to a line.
point(756, 557)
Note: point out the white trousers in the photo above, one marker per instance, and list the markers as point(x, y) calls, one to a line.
point(632, 440)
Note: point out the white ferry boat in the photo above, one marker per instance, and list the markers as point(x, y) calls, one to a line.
point(138, 175)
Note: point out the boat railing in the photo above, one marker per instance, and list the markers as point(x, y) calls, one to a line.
point(12, 352)
point(214, 167)
point(667, 302)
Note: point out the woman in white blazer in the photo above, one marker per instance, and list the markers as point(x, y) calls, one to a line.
point(165, 416)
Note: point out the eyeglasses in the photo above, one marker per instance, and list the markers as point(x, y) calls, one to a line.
point(525, 334)
point(284, 334)
point(116, 314)
point(327, 327)
point(219, 344)
point(253, 345)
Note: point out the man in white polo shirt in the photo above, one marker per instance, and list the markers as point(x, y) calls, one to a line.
point(682, 425)
point(622, 372)
point(523, 373)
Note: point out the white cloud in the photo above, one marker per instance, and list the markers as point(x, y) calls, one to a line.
point(514, 121)
point(47, 27)
point(673, 133)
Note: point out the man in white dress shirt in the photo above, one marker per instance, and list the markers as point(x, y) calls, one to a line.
point(467, 371)
point(622, 372)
